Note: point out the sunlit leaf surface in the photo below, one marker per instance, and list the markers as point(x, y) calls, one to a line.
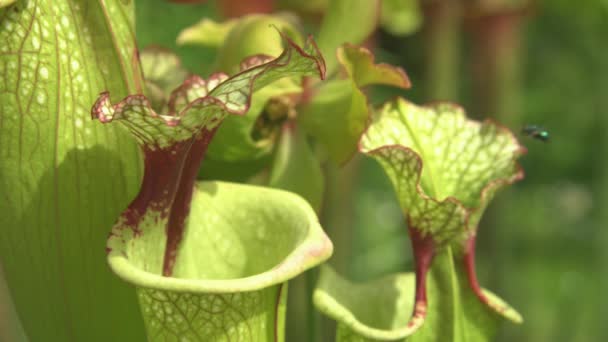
point(209, 260)
point(445, 169)
point(64, 178)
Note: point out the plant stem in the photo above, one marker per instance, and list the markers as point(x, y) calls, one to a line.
point(496, 65)
point(10, 327)
point(442, 33)
point(337, 217)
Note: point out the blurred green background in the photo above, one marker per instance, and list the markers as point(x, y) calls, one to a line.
point(543, 245)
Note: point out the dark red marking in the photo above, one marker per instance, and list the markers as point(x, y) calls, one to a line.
point(469, 262)
point(424, 251)
point(162, 170)
point(181, 204)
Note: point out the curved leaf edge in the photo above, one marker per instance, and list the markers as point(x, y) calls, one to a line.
point(421, 238)
point(173, 118)
point(495, 184)
point(402, 79)
point(333, 308)
point(314, 249)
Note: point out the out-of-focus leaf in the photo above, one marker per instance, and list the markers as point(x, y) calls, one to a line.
point(241, 129)
point(346, 21)
point(377, 310)
point(255, 132)
point(358, 62)
point(336, 117)
point(254, 38)
point(4, 3)
point(206, 32)
point(240, 38)
point(158, 23)
point(338, 112)
point(401, 17)
point(163, 72)
point(236, 171)
point(295, 167)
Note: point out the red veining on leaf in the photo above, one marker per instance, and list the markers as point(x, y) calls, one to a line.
point(181, 204)
point(424, 252)
point(424, 245)
point(469, 262)
point(211, 83)
point(517, 175)
point(319, 58)
point(253, 61)
point(162, 168)
point(401, 79)
point(170, 171)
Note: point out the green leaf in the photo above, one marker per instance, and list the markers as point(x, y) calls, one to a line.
point(64, 179)
point(256, 132)
point(358, 63)
point(239, 171)
point(237, 39)
point(243, 40)
point(339, 111)
point(295, 167)
point(346, 21)
point(375, 310)
point(163, 72)
point(455, 312)
point(252, 241)
point(160, 21)
point(202, 104)
point(401, 17)
point(379, 310)
point(159, 241)
point(244, 129)
point(5, 3)
point(174, 144)
point(206, 32)
point(465, 163)
point(336, 117)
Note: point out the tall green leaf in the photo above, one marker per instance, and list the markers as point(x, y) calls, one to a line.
point(445, 170)
point(64, 178)
point(200, 255)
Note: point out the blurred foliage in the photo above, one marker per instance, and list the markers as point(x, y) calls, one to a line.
point(551, 255)
point(159, 22)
